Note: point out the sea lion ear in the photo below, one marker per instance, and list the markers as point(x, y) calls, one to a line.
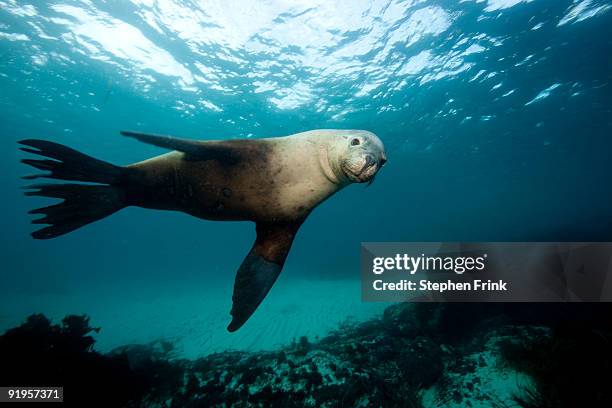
point(260, 269)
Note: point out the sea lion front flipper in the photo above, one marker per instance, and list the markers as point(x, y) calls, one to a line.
point(260, 269)
point(225, 151)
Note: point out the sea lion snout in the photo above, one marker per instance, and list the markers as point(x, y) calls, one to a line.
point(370, 169)
point(369, 160)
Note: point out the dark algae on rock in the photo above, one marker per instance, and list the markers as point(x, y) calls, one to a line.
point(414, 355)
point(39, 353)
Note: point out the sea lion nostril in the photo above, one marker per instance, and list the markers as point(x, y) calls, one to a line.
point(382, 162)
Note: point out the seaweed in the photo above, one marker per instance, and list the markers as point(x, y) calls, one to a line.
point(39, 353)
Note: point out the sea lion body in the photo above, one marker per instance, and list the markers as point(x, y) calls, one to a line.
point(276, 179)
point(274, 182)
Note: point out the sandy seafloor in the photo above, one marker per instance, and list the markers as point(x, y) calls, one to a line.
point(194, 314)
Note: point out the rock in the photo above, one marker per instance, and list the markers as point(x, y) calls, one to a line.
point(421, 362)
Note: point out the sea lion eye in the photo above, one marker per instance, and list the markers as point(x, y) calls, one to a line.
point(355, 142)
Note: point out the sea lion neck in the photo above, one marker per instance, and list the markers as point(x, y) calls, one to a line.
point(330, 165)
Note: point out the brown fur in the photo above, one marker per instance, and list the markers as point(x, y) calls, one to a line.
point(214, 188)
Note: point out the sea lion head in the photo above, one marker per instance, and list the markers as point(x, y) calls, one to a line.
point(360, 155)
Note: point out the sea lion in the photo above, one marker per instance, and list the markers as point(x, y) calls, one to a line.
point(274, 182)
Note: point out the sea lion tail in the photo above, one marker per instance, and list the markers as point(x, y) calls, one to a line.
point(83, 203)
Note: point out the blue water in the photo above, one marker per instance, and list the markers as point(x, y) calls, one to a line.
point(496, 116)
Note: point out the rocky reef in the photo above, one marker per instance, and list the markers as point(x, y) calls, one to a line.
point(414, 355)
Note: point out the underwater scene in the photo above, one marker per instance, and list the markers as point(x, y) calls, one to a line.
point(466, 120)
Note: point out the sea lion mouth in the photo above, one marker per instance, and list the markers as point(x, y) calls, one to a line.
point(361, 172)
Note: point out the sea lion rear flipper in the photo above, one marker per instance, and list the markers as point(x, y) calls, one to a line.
point(202, 150)
point(260, 269)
